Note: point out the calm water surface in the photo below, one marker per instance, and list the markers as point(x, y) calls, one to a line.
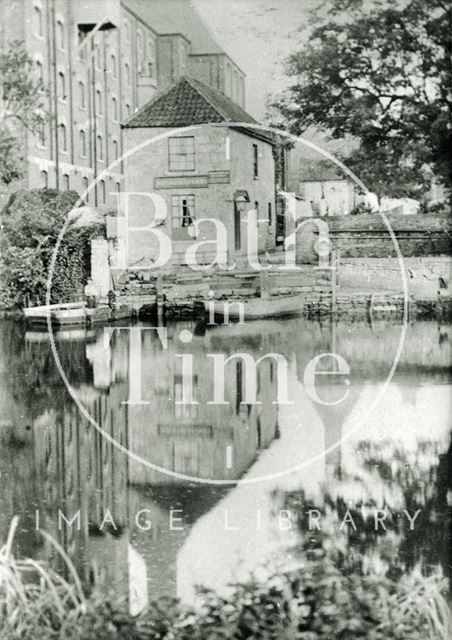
point(143, 532)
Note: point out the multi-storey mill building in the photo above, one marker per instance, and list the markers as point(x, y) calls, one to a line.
point(100, 60)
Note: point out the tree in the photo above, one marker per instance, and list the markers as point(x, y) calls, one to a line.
point(378, 71)
point(21, 108)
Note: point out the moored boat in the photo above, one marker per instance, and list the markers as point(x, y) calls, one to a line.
point(256, 308)
point(59, 314)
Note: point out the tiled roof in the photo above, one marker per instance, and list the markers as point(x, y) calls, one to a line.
point(185, 103)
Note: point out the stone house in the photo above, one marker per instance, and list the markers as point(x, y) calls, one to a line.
point(204, 157)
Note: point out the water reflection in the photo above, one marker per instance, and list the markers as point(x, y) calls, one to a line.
point(139, 533)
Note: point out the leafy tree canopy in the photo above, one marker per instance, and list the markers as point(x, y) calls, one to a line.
point(378, 71)
point(21, 108)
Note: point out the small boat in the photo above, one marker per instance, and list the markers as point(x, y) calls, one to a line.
point(256, 308)
point(59, 314)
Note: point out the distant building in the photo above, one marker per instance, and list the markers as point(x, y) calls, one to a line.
point(100, 61)
point(219, 172)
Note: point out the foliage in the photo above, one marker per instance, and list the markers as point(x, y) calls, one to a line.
point(332, 594)
point(31, 223)
point(379, 72)
point(22, 108)
point(361, 208)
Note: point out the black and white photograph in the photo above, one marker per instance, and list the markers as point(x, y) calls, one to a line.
point(225, 320)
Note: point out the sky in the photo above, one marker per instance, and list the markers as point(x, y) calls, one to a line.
point(258, 35)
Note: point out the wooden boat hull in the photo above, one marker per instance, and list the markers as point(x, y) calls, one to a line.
point(257, 308)
point(59, 314)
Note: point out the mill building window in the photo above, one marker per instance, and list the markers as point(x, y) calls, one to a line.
point(82, 143)
point(63, 138)
point(181, 153)
point(38, 21)
point(60, 34)
point(82, 95)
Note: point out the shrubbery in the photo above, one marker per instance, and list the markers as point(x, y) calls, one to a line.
point(333, 593)
point(31, 223)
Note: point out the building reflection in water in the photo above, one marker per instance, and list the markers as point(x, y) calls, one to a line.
point(52, 458)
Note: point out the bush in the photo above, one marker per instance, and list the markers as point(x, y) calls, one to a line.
point(331, 595)
point(31, 223)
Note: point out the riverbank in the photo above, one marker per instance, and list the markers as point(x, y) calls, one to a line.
point(37, 602)
point(363, 287)
point(349, 305)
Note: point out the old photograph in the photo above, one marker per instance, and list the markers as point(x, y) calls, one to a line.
point(225, 320)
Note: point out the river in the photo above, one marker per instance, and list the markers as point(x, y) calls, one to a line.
point(164, 496)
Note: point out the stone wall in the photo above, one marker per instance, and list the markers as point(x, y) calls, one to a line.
point(385, 274)
point(368, 236)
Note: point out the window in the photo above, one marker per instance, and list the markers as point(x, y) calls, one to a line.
point(181, 153)
point(255, 161)
point(98, 57)
point(139, 52)
point(63, 138)
point(270, 214)
point(82, 139)
point(114, 104)
point(85, 187)
point(228, 80)
point(151, 57)
point(82, 95)
point(126, 31)
point(114, 68)
point(118, 187)
point(44, 179)
point(183, 52)
point(183, 211)
point(40, 71)
point(127, 70)
point(128, 109)
point(81, 45)
point(100, 148)
point(60, 34)
point(62, 85)
point(42, 135)
point(65, 181)
point(236, 86)
point(102, 191)
point(115, 149)
point(238, 385)
point(99, 102)
point(38, 21)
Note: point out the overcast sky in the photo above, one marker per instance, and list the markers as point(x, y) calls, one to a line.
point(258, 35)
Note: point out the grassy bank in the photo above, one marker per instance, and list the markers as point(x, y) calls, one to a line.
point(316, 601)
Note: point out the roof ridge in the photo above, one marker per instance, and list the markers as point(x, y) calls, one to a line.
point(189, 100)
point(218, 109)
point(156, 98)
point(193, 82)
